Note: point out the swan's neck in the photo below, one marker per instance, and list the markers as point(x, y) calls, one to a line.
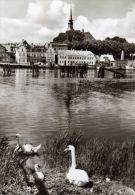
point(73, 165)
point(36, 169)
point(19, 144)
point(18, 140)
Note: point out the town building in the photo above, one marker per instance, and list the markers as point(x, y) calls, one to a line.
point(4, 57)
point(76, 57)
point(11, 50)
point(59, 46)
point(108, 59)
point(52, 51)
point(27, 54)
point(50, 55)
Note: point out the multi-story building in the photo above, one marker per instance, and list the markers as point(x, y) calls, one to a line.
point(21, 53)
point(4, 57)
point(59, 46)
point(76, 57)
point(37, 53)
point(11, 50)
point(27, 54)
point(52, 51)
point(50, 55)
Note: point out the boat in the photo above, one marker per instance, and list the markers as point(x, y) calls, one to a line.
point(130, 67)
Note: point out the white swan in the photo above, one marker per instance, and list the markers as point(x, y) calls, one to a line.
point(26, 148)
point(76, 176)
point(38, 175)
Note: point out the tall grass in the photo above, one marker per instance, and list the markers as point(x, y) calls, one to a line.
point(98, 156)
point(11, 176)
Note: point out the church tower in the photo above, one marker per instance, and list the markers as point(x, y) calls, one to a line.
point(70, 23)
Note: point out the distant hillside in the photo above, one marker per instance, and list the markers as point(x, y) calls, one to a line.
point(74, 36)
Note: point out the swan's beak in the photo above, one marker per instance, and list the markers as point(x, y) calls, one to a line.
point(13, 136)
point(66, 149)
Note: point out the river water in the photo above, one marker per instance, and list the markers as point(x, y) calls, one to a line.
point(41, 107)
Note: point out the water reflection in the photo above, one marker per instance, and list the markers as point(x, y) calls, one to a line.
point(38, 107)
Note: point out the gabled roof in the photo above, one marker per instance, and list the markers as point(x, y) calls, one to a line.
point(88, 37)
point(106, 57)
point(25, 44)
point(2, 46)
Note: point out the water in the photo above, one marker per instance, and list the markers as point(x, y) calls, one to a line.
point(41, 107)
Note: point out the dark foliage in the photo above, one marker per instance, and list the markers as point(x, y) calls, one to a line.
point(76, 40)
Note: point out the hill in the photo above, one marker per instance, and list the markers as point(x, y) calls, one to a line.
point(74, 36)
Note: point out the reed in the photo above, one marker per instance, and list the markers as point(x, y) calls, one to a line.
point(98, 156)
point(11, 176)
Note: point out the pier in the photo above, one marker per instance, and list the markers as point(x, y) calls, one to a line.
point(117, 72)
point(6, 70)
point(73, 71)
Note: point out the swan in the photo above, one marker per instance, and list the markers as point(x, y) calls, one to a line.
point(76, 176)
point(26, 148)
point(38, 175)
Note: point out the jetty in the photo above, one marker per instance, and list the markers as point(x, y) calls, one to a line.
point(73, 71)
point(117, 72)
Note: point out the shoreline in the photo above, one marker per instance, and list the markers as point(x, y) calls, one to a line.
point(109, 165)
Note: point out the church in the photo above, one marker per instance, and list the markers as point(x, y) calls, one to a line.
point(72, 35)
point(60, 50)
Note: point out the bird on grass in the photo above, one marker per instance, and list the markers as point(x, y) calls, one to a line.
point(75, 176)
point(38, 175)
point(26, 148)
point(39, 181)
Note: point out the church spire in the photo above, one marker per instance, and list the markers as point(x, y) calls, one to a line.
point(70, 23)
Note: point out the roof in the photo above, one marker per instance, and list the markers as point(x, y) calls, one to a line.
point(106, 57)
point(2, 46)
point(74, 52)
point(88, 37)
point(58, 44)
point(32, 47)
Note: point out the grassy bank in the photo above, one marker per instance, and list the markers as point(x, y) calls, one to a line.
point(98, 156)
point(101, 158)
point(12, 180)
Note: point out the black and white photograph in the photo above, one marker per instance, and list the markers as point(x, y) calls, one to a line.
point(67, 97)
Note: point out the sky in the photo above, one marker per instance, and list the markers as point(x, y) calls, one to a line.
point(39, 21)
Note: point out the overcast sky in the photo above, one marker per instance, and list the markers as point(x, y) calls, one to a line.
point(39, 21)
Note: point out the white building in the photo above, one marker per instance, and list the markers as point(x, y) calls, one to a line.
point(76, 57)
point(21, 54)
point(52, 51)
point(27, 54)
point(50, 55)
point(107, 58)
